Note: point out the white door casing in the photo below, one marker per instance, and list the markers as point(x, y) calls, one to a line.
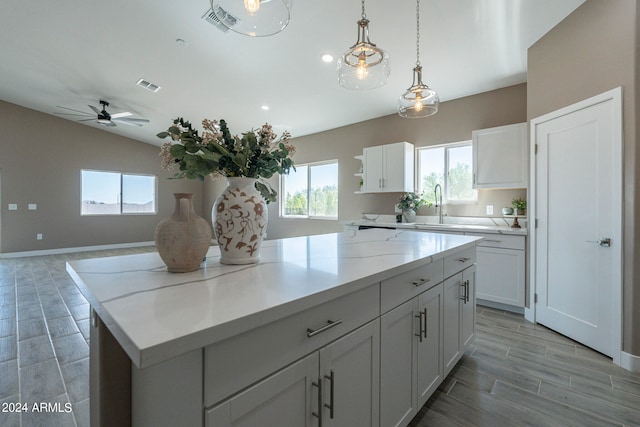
point(576, 198)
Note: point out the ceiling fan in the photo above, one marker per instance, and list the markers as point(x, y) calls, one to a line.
point(103, 117)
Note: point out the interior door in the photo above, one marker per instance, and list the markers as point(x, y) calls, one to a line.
point(578, 239)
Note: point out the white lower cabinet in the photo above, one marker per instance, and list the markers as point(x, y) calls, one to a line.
point(459, 315)
point(415, 328)
point(410, 355)
point(337, 385)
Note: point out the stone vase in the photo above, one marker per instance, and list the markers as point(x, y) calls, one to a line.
point(183, 239)
point(409, 216)
point(239, 217)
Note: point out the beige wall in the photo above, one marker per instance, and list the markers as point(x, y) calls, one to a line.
point(40, 161)
point(593, 50)
point(454, 122)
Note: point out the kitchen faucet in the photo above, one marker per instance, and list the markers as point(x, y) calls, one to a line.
point(435, 193)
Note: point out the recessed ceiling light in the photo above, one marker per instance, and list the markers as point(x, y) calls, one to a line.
point(327, 57)
point(181, 43)
point(265, 107)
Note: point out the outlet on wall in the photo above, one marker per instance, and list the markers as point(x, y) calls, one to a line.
point(489, 209)
point(39, 236)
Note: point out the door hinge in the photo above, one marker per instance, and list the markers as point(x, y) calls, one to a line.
point(536, 223)
point(535, 298)
point(535, 148)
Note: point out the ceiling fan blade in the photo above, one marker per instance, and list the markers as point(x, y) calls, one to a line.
point(119, 115)
point(87, 120)
point(95, 109)
point(71, 109)
point(129, 122)
point(130, 119)
point(75, 114)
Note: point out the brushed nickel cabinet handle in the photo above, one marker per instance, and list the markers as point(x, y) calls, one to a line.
point(330, 406)
point(420, 333)
point(425, 322)
point(318, 414)
point(330, 324)
point(463, 285)
point(463, 259)
point(420, 282)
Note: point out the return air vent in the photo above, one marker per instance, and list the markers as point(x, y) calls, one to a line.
point(223, 25)
point(148, 85)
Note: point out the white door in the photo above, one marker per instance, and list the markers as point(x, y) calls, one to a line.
point(578, 240)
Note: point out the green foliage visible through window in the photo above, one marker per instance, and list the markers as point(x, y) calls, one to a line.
point(311, 191)
point(451, 167)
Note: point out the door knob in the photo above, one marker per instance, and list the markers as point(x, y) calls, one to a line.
point(604, 241)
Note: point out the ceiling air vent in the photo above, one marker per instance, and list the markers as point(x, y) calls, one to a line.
point(223, 25)
point(148, 85)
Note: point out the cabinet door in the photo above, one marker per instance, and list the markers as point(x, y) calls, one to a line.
point(429, 357)
point(373, 173)
point(451, 321)
point(350, 371)
point(285, 399)
point(468, 307)
point(398, 171)
point(500, 157)
point(501, 275)
point(398, 369)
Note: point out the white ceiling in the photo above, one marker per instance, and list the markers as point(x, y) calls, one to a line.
point(73, 53)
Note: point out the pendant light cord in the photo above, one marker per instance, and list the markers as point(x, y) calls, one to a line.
point(363, 15)
point(417, 32)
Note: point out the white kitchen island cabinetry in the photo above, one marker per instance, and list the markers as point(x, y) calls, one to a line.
point(500, 157)
point(388, 168)
point(288, 341)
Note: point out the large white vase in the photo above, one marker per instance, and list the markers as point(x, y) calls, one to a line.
point(239, 217)
point(183, 239)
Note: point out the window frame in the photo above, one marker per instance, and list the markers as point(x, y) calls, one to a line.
point(445, 189)
point(120, 195)
point(309, 166)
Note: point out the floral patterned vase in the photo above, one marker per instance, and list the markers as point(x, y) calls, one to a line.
point(239, 219)
point(409, 216)
point(184, 238)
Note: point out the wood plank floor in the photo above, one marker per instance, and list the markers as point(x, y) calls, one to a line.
point(515, 373)
point(520, 374)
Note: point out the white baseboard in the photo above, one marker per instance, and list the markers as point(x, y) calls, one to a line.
point(500, 306)
point(629, 362)
point(77, 249)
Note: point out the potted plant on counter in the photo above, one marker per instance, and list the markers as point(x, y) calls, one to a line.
point(409, 204)
point(519, 205)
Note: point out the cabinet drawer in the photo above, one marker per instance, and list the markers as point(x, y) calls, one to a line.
point(235, 363)
point(500, 241)
point(459, 261)
point(403, 287)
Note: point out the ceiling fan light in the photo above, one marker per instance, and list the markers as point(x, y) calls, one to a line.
point(255, 18)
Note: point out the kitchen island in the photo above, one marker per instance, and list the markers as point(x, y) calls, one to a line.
point(293, 336)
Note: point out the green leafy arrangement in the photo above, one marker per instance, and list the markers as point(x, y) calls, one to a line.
point(256, 154)
point(410, 201)
point(519, 204)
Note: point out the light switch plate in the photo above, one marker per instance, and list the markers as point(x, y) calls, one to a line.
point(13, 207)
point(33, 207)
point(489, 209)
point(39, 236)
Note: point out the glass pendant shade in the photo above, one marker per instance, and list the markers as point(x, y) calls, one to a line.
point(255, 18)
point(364, 66)
point(419, 100)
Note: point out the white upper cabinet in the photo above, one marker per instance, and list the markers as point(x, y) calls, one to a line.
point(500, 157)
point(388, 168)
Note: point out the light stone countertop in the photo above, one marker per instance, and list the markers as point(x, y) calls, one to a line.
point(447, 227)
point(156, 315)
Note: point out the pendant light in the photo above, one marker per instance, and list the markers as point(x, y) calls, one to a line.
point(255, 18)
point(364, 66)
point(419, 100)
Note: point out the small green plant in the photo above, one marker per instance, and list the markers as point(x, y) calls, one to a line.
point(411, 201)
point(519, 204)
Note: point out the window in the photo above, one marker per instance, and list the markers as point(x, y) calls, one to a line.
point(311, 191)
point(113, 193)
point(450, 166)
